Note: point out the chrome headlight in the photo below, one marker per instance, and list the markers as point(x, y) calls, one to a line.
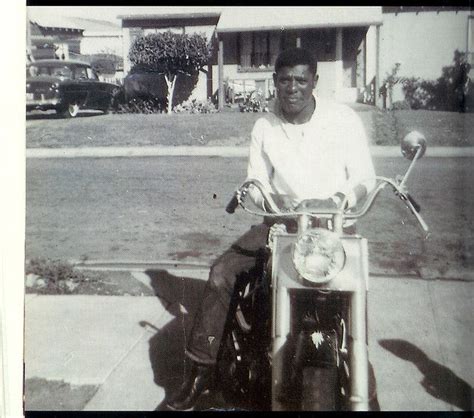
point(318, 255)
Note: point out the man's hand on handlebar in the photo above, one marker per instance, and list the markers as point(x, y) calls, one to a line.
point(284, 202)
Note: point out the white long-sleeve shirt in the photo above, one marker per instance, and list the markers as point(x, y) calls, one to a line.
point(314, 160)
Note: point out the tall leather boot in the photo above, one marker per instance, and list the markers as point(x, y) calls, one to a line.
point(197, 382)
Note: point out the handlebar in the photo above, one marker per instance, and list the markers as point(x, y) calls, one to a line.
point(414, 203)
point(232, 205)
point(326, 213)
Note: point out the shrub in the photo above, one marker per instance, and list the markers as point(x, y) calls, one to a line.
point(400, 105)
point(140, 105)
point(105, 63)
point(419, 94)
point(195, 106)
point(53, 276)
point(170, 54)
point(256, 102)
point(448, 92)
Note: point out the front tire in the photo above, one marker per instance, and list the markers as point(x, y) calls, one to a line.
point(319, 389)
point(70, 111)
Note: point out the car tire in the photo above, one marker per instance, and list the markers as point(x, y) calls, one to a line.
point(116, 98)
point(70, 111)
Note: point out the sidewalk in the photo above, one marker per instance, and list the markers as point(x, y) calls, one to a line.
point(212, 151)
point(130, 348)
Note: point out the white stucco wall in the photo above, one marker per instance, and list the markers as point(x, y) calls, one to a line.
point(423, 43)
point(99, 44)
point(371, 53)
point(200, 91)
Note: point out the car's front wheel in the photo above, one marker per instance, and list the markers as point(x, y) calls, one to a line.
point(70, 111)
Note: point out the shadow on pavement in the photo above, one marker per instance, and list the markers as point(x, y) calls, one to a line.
point(180, 296)
point(438, 381)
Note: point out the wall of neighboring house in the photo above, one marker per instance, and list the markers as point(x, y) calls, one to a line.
point(67, 42)
point(95, 44)
point(423, 43)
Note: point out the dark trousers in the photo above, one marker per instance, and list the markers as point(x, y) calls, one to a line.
point(211, 316)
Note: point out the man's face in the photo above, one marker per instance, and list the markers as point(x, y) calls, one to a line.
point(295, 88)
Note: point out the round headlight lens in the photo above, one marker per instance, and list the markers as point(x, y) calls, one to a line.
point(318, 255)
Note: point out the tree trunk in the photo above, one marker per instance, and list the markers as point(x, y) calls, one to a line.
point(170, 82)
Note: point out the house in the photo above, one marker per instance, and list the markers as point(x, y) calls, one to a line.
point(49, 38)
point(343, 40)
point(72, 37)
point(423, 40)
point(356, 47)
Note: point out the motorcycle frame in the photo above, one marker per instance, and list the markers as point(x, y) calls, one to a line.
point(353, 280)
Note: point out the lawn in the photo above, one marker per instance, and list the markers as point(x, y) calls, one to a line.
point(228, 128)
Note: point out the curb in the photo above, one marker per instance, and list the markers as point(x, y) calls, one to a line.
point(214, 151)
point(452, 274)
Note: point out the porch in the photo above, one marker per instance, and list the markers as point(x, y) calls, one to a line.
point(343, 40)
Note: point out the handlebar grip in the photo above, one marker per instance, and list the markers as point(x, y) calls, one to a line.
point(232, 205)
point(414, 203)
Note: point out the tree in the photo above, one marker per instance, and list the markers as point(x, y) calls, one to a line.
point(169, 54)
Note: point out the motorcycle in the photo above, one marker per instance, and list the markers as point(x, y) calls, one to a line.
point(298, 339)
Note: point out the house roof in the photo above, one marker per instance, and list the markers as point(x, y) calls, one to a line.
point(54, 21)
point(89, 27)
point(238, 19)
point(172, 12)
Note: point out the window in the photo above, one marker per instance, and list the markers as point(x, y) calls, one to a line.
point(81, 73)
point(258, 49)
point(62, 71)
point(91, 74)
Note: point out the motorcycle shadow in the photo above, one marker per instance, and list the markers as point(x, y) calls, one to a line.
point(181, 297)
point(438, 381)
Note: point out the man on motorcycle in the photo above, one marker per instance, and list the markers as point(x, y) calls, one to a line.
point(308, 153)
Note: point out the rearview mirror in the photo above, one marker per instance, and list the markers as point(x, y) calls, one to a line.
point(414, 142)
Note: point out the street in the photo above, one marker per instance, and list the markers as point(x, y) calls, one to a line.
point(172, 208)
point(154, 209)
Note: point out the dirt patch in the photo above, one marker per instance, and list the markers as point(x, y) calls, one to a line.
point(180, 255)
point(55, 277)
point(202, 239)
point(56, 395)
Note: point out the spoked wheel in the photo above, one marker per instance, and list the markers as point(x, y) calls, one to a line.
point(70, 111)
point(319, 389)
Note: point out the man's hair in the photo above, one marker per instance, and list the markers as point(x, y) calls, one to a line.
point(296, 56)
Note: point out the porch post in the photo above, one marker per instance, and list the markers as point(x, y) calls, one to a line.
point(126, 44)
point(220, 64)
point(338, 64)
point(377, 66)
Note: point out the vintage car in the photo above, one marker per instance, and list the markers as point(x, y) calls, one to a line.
point(66, 86)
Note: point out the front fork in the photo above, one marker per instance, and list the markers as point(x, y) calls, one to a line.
point(359, 361)
point(357, 336)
